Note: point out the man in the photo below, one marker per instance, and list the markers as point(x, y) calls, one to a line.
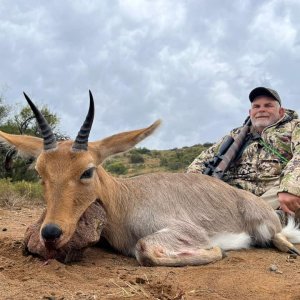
point(268, 165)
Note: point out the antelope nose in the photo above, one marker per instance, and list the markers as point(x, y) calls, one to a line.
point(51, 232)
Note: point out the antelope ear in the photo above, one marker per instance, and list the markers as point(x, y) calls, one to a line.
point(25, 144)
point(120, 142)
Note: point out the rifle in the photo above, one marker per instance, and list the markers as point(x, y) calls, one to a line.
point(214, 162)
point(227, 152)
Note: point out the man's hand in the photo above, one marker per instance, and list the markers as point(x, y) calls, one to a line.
point(289, 202)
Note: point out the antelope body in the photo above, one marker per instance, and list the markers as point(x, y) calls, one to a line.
point(162, 219)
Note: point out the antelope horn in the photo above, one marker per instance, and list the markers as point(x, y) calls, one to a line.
point(46, 131)
point(81, 142)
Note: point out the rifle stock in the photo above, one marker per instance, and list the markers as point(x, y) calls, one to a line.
point(213, 163)
point(232, 151)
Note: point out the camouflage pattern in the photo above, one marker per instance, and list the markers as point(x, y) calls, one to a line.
point(256, 169)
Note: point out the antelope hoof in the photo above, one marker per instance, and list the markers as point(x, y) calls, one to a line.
point(294, 251)
point(281, 243)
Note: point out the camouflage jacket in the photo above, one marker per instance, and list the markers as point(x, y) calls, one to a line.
point(256, 169)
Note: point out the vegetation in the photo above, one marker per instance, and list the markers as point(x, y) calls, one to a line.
point(21, 121)
point(142, 160)
point(116, 167)
point(136, 158)
point(19, 193)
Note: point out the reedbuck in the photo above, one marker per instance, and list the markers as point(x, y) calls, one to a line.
point(163, 219)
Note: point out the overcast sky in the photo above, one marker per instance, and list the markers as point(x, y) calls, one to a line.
point(191, 63)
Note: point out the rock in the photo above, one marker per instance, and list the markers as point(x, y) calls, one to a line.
point(87, 233)
point(273, 268)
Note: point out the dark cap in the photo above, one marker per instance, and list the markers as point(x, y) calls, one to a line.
point(263, 91)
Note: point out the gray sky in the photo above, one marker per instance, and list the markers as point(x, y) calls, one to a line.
point(191, 63)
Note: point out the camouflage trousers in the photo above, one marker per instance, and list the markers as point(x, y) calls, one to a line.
point(270, 196)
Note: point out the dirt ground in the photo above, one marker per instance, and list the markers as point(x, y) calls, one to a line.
point(251, 274)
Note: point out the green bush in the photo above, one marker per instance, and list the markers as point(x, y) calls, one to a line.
point(20, 169)
point(163, 162)
point(142, 150)
point(156, 153)
point(175, 165)
point(117, 168)
point(207, 145)
point(136, 158)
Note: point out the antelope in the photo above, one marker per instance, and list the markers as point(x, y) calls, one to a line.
point(162, 219)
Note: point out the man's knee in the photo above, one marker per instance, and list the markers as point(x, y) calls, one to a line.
point(270, 196)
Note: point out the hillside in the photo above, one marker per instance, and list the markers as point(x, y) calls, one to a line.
point(142, 160)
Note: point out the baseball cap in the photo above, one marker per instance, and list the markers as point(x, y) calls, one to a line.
point(263, 91)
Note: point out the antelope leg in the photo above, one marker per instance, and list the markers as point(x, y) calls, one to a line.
point(174, 247)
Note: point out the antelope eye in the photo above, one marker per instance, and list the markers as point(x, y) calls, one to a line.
point(87, 174)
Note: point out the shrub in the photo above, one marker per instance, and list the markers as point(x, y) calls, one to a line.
point(174, 165)
point(156, 153)
point(136, 158)
point(163, 162)
point(143, 150)
point(207, 145)
point(117, 168)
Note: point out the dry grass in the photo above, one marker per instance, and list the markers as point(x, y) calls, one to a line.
point(144, 288)
point(128, 290)
point(17, 194)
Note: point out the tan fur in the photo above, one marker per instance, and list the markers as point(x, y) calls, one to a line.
point(26, 145)
point(120, 142)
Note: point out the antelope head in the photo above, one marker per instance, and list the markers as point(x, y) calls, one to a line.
point(70, 171)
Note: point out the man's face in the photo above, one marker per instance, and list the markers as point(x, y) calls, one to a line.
point(264, 112)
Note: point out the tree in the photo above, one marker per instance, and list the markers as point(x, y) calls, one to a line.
point(4, 111)
point(23, 122)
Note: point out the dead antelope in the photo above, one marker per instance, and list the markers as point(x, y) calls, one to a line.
point(162, 219)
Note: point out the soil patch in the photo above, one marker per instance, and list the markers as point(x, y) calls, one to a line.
point(250, 274)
